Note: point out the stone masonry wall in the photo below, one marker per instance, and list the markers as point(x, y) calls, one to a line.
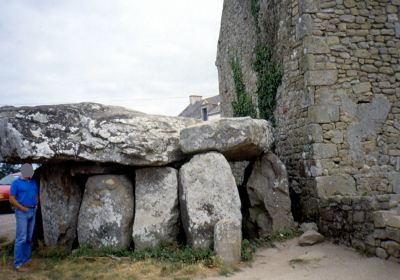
point(351, 66)
point(338, 108)
point(369, 224)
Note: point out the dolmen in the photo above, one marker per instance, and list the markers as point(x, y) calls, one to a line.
point(114, 177)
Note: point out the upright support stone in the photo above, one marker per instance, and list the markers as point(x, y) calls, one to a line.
point(60, 201)
point(268, 191)
point(157, 214)
point(208, 193)
point(106, 214)
point(228, 241)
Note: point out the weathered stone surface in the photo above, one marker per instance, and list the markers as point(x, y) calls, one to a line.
point(323, 150)
point(60, 200)
point(238, 170)
point(308, 6)
point(315, 45)
point(235, 41)
point(310, 238)
point(106, 214)
point(304, 227)
point(236, 138)
point(268, 191)
point(156, 207)
point(335, 185)
point(387, 218)
point(323, 113)
point(321, 77)
point(89, 131)
point(208, 194)
point(228, 241)
point(381, 253)
point(392, 248)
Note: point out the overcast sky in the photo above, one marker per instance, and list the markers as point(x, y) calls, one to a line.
point(145, 55)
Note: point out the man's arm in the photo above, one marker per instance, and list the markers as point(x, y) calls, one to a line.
point(16, 204)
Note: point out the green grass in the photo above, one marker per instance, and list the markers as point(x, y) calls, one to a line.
point(172, 253)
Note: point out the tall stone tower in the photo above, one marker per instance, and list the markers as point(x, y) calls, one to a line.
point(338, 108)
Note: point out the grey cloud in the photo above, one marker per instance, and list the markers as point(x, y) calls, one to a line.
point(108, 51)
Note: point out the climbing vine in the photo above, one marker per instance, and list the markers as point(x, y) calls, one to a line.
point(255, 12)
point(269, 74)
point(242, 105)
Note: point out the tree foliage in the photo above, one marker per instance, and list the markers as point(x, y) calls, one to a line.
point(6, 169)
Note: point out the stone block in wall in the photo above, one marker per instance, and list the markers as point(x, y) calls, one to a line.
point(314, 132)
point(308, 6)
point(386, 218)
point(315, 45)
point(362, 87)
point(322, 150)
point(392, 248)
point(394, 180)
point(323, 113)
point(321, 77)
point(335, 184)
point(381, 253)
point(397, 29)
point(393, 233)
point(304, 26)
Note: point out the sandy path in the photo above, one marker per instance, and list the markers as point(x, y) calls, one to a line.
point(322, 262)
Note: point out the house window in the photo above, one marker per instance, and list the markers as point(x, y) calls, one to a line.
point(204, 114)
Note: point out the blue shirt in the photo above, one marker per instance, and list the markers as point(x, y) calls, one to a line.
point(25, 191)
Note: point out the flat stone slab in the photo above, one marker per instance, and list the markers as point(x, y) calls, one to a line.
point(236, 138)
point(310, 238)
point(91, 132)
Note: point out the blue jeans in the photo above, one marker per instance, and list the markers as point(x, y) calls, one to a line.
point(25, 222)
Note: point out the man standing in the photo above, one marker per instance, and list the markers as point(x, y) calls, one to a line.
point(24, 197)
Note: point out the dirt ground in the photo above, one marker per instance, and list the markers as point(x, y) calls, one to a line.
point(324, 261)
point(287, 261)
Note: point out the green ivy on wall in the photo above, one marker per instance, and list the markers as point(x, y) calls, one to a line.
point(242, 105)
point(269, 74)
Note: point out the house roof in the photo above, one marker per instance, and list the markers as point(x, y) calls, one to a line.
point(194, 110)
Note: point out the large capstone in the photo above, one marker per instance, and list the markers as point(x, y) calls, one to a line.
point(61, 198)
point(156, 207)
point(236, 138)
point(106, 214)
point(268, 192)
point(89, 131)
point(208, 194)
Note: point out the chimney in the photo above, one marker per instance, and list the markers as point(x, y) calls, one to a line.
point(195, 98)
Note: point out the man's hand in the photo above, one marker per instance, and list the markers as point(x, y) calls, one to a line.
point(16, 204)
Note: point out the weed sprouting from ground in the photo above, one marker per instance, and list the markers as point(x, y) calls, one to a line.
point(174, 253)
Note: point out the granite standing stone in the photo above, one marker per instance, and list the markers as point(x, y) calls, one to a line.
point(106, 214)
point(156, 207)
point(208, 194)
